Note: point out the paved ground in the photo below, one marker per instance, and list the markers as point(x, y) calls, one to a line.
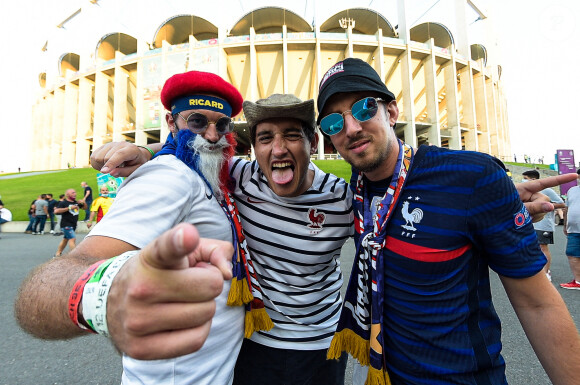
point(92, 360)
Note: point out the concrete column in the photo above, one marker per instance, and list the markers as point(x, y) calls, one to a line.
point(318, 53)
point(462, 34)
point(380, 55)
point(452, 103)
point(285, 57)
point(408, 98)
point(492, 117)
point(84, 122)
point(71, 99)
point(468, 102)
point(41, 140)
point(349, 50)
point(191, 52)
point(120, 115)
point(49, 138)
point(404, 22)
point(101, 109)
point(56, 159)
point(504, 150)
point(164, 129)
point(223, 56)
point(432, 97)
point(481, 109)
point(253, 66)
point(140, 137)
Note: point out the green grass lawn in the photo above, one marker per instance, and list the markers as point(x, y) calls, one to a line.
point(17, 193)
point(337, 167)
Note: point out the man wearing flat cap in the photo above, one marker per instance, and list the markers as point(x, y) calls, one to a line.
point(160, 303)
point(296, 219)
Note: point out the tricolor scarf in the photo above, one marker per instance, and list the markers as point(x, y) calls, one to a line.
point(245, 288)
point(359, 328)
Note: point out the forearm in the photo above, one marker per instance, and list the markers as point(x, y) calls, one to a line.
point(42, 302)
point(555, 340)
point(549, 328)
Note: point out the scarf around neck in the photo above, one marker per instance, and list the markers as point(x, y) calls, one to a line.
point(359, 327)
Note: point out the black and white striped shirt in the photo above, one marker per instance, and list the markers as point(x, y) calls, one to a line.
point(295, 245)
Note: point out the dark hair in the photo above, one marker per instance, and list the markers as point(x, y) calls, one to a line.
point(532, 174)
point(578, 171)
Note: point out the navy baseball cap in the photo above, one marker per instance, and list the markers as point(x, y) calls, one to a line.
point(350, 75)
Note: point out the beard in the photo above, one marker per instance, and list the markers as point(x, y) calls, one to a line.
point(362, 162)
point(211, 160)
point(208, 160)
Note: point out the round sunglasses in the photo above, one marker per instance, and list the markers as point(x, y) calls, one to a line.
point(362, 111)
point(198, 123)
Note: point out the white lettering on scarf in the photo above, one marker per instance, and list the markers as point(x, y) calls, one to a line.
point(361, 310)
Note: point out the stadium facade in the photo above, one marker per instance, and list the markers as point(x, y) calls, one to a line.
point(447, 93)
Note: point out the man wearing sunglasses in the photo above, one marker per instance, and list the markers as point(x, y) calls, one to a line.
point(165, 301)
point(295, 219)
point(429, 224)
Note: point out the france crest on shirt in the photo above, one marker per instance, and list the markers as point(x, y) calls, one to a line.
point(522, 218)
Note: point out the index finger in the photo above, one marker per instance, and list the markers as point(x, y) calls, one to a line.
point(115, 159)
point(554, 181)
point(218, 253)
point(170, 249)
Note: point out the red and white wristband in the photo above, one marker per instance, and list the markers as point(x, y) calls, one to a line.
point(95, 290)
point(77, 293)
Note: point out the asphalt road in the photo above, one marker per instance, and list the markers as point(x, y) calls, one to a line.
point(92, 360)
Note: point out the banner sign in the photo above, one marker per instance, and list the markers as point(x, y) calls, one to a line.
point(566, 165)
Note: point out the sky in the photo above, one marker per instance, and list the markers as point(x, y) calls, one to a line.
point(535, 43)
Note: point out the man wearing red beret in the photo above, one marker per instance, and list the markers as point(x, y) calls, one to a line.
point(180, 281)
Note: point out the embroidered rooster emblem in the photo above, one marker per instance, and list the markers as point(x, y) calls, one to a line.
point(316, 219)
point(414, 216)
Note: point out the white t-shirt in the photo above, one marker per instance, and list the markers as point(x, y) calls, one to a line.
point(159, 195)
point(547, 223)
point(573, 216)
point(295, 245)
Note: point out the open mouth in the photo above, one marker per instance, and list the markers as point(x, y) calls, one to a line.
point(282, 172)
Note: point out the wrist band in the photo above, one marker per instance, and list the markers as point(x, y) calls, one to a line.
point(77, 293)
point(97, 289)
point(148, 149)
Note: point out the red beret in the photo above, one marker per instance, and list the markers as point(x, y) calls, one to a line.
point(200, 83)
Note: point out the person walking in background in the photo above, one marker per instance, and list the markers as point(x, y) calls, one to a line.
point(41, 211)
point(69, 209)
point(57, 229)
point(87, 199)
point(100, 206)
point(546, 227)
point(5, 215)
point(51, 205)
point(572, 231)
point(31, 217)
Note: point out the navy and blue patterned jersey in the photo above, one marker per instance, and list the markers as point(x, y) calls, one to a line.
point(458, 215)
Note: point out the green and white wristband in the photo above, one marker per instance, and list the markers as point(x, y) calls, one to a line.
point(97, 289)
